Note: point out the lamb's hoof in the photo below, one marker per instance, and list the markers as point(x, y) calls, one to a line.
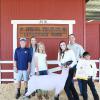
point(25, 98)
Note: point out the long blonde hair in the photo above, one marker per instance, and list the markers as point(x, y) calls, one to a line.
point(38, 45)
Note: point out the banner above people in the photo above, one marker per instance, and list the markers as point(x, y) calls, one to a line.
point(42, 31)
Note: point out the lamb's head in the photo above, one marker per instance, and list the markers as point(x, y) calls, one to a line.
point(65, 70)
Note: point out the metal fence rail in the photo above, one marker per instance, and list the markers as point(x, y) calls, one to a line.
point(49, 62)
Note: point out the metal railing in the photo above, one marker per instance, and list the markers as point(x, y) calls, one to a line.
point(49, 62)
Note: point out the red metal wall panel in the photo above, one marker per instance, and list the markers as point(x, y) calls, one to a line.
point(38, 9)
point(93, 39)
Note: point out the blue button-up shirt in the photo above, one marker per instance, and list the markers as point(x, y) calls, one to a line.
point(22, 57)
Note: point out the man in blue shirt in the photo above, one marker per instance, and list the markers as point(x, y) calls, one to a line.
point(22, 61)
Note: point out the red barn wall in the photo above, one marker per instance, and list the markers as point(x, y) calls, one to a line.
point(38, 9)
point(93, 38)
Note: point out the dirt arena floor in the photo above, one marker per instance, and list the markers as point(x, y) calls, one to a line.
point(7, 92)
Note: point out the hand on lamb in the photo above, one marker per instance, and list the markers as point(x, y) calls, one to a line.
point(37, 73)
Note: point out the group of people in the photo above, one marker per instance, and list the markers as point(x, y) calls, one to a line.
point(32, 61)
point(28, 62)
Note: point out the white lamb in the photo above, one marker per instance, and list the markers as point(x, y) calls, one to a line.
point(48, 82)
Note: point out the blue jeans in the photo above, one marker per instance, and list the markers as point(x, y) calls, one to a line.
point(69, 86)
point(72, 72)
point(80, 85)
point(22, 74)
point(70, 89)
point(92, 88)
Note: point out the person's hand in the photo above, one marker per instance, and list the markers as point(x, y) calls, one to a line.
point(28, 70)
point(47, 72)
point(37, 73)
point(15, 69)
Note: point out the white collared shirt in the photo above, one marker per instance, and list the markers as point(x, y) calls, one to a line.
point(68, 56)
point(78, 50)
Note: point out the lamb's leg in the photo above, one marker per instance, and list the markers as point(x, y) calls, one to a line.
point(40, 97)
point(31, 87)
point(56, 98)
point(46, 95)
point(30, 91)
point(57, 92)
point(39, 94)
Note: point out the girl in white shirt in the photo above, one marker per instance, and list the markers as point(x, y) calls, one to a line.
point(40, 60)
point(41, 65)
point(65, 55)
